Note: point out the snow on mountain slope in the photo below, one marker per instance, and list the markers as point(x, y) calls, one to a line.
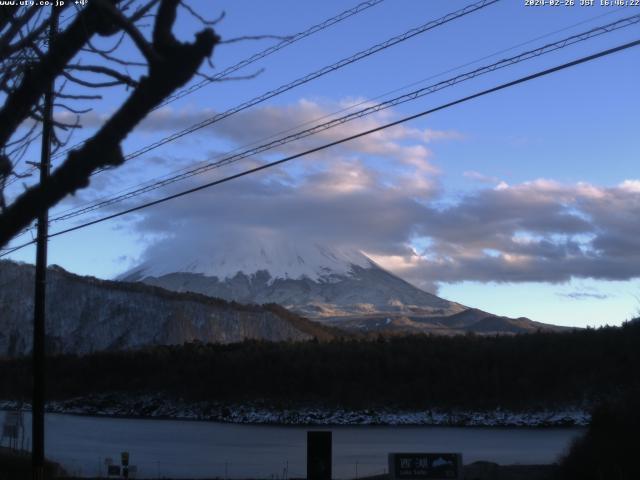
point(339, 287)
point(313, 280)
point(281, 259)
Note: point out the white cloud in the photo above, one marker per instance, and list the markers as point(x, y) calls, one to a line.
point(381, 194)
point(480, 177)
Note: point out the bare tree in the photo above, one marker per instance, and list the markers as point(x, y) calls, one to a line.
point(85, 57)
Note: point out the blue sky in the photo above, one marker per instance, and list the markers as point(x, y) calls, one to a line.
point(541, 166)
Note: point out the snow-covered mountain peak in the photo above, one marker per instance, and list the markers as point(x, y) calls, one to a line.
point(281, 259)
point(309, 278)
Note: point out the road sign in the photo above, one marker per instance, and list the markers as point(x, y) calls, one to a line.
point(425, 466)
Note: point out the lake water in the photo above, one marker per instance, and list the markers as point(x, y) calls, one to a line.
point(190, 449)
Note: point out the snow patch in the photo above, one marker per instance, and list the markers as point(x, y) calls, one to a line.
point(281, 259)
point(158, 406)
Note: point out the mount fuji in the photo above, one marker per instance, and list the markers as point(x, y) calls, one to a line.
point(339, 287)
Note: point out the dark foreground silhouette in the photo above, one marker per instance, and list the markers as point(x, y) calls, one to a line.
point(609, 449)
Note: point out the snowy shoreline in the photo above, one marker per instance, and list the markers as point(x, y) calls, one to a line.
point(159, 408)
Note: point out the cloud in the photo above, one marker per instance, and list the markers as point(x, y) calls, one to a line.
point(267, 123)
point(584, 296)
point(382, 194)
point(537, 231)
point(406, 148)
point(479, 177)
point(345, 204)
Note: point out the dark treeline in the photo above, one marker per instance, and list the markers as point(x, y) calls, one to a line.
point(525, 371)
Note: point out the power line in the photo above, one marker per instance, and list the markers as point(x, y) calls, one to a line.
point(207, 165)
point(307, 78)
point(350, 107)
point(361, 7)
point(268, 51)
point(314, 75)
point(411, 96)
point(482, 93)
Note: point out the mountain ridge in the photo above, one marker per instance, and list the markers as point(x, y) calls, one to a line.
point(87, 314)
point(341, 282)
point(358, 297)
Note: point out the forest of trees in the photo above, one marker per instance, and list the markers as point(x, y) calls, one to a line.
point(538, 370)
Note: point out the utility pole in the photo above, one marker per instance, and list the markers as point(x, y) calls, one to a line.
point(37, 422)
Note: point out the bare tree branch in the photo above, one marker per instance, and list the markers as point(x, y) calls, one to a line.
point(6, 15)
point(18, 140)
point(14, 30)
point(8, 49)
point(173, 64)
point(89, 84)
point(100, 69)
point(137, 37)
point(94, 49)
point(112, 58)
point(200, 18)
point(57, 123)
point(71, 109)
point(77, 97)
point(66, 45)
point(142, 11)
point(64, 142)
point(251, 76)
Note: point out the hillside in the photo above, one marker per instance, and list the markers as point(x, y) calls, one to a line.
point(85, 314)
